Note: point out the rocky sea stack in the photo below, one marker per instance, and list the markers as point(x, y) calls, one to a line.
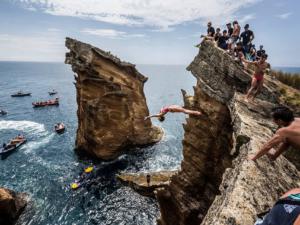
point(217, 184)
point(12, 205)
point(111, 102)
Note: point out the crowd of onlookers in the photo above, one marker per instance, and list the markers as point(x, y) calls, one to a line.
point(234, 41)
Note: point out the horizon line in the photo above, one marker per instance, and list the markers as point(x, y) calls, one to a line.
point(146, 64)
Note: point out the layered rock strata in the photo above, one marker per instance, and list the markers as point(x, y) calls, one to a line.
point(138, 181)
point(217, 184)
point(11, 205)
point(111, 102)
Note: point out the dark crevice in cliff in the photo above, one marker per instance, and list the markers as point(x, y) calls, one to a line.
point(207, 145)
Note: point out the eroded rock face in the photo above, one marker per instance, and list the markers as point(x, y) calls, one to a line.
point(111, 102)
point(217, 184)
point(138, 181)
point(11, 205)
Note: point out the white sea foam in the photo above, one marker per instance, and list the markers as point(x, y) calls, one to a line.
point(23, 125)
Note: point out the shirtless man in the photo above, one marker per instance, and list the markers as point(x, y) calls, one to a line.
point(173, 109)
point(288, 135)
point(258, 78)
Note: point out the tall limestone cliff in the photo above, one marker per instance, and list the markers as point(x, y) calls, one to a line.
point(217, 184)
point(11, 205)
point(111, 102)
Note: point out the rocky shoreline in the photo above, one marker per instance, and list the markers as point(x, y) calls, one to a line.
point(12, 204)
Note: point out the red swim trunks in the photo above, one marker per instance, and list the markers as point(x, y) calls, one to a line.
point(259, 76)
point(165, 109)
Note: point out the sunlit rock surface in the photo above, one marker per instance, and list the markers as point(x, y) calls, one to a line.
point(138, 181)
point(111, 102)
point(11, 205)
point(217, 184)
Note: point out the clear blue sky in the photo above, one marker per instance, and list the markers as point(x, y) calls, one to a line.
point(143, 31)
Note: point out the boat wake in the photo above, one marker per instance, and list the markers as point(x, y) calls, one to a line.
point(25, 126)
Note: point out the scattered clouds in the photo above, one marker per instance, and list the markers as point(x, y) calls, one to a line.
point(44, 46)
point(110, 33)
point(154, 13)
point(284, 15)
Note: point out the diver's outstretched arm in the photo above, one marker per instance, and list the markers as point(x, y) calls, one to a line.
point(156, 115)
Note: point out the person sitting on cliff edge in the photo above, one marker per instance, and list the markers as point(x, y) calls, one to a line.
point(261, 67)
point(287, 135)
point(286, 210)
point(173, 109)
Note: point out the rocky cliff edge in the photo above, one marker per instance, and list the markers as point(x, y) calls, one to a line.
point(217, 184)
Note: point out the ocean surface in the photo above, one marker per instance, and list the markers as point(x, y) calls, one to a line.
point(46, 165)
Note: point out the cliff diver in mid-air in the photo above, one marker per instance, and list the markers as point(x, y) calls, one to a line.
point(173, 109)
point(288, 135)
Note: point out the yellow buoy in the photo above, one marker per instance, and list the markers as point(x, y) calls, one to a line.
point(88, 169)
point(74, 185)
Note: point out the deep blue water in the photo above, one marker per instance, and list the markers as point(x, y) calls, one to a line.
point(47, 164)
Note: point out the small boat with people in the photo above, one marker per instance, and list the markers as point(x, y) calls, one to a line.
point(60, 128)
point(52, 102)
point(53, 92)
point(12, 145)
point(21, 94)
point(2, 112)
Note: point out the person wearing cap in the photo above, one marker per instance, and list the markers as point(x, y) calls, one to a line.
point(222, 42)
point(258, 78)
point(247, 37)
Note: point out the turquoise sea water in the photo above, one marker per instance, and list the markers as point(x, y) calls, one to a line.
point(46, 165)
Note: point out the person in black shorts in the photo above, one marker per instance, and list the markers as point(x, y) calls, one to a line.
point(222, 43)
point(247, 37)
point(286, 210)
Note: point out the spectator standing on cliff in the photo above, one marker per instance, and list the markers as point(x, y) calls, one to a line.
point(252, 54)
point(258, 78)
point(217, 35)
point(148, 178)
point(247, 37)
point(287, 135)
point(235, 35)
point(260, 52)
point(222, 43)
point(239, 52)
point(229, 29)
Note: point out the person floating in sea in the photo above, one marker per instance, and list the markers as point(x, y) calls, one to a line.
point(258, 78)
point(288, 134)
point(173, 109)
